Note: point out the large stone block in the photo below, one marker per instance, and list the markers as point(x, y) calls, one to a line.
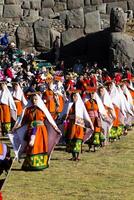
point(1, 2)
point(75, 4)
point(122, 48)
point(31, 16)
point(1, 10)
point(92, 22)
point(120, 4)
point(96, 2)
point(71, 35)
point(12, 11)
point(117, 20)
point(87, 2)
point(36, 4)
point(48, 3)
point(11, 2)
point(131, 5)
point(89, 8)
point(53, 35)
point(25, 37)
point(102, 8)
point(46, 12)
point(60, 6)
point(25, 4)
point(75, 18)
point(42, 35)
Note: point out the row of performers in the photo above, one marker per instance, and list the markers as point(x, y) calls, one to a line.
point(95, 116)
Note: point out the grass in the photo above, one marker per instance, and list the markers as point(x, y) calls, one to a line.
point(104, 175)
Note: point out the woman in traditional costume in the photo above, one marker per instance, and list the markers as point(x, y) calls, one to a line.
point(77, 119)
point(19, 98)
point(121, 107)
point(93, 111)
point(51, 100)
point(36, 136)
point(107, 122)
point(8, 110)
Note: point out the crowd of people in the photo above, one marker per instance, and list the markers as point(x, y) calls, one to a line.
point(50, 103)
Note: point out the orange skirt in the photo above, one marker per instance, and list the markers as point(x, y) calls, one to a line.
point(19, 107)
point(5, 115)
point(116, 121)
point(41, 141)
point(1, 148)
point(75, 131)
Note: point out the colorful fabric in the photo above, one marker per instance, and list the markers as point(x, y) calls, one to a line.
point(1, 196)
point(74, 145)
point(36, 162)
point(113, 133)
point(120, 130)
point(6, 127)
point(96, 138)
point(102, 137)
point(1, 148)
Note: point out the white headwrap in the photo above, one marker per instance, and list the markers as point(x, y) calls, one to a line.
point(81, 114)
point(114, 95)
point(19, 95)
point(7, 99)
point(42, 106)
point(124, 104)
point(131, 86)
point(101, 107)
point(129, 96)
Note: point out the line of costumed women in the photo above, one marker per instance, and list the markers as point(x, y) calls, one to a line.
point(39, 123)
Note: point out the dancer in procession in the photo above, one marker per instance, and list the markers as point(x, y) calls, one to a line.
point(77, 117)
point(36, 136)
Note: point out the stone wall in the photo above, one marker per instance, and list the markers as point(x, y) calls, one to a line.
point(71, 19)
point(34, 24)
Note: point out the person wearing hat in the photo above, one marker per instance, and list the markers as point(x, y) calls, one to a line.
point(77, 118)
point(93, 111)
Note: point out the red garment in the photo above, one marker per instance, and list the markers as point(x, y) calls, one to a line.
point(0, 196)
point(82, 85)
point(87, 82)
point(93, 81)
point(71, 85)
point(9, 73)
point(129, 75)
point(106, 78)
point(117, 78)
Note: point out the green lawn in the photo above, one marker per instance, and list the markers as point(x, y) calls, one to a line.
point(107, 174)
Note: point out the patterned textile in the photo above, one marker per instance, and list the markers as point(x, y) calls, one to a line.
point(96, 139)
point(6, 127)
point(74, 146)
point(120, 130)
point(36, 162)
point(113, 133)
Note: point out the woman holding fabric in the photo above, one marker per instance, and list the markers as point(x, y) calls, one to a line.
point(93, 110)
point(36, 136)
point(7, 108)
point(19, 98)
point(77, 119)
